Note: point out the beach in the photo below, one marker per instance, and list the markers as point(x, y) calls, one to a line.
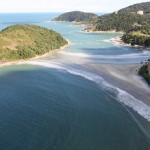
point(125, 77)
point(8, 63)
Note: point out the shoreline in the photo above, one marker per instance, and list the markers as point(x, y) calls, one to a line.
point(119, 41)
point(91, 31)
point(73, 22)
point(124, 77)
point(21, 61)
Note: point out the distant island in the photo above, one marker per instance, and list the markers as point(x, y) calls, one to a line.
point(75, 16)
point(27, 41)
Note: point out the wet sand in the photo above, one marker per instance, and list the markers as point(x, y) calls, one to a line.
point(125, 77)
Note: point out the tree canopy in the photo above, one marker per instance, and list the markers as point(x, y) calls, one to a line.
point(26, 41)
point(75, 16)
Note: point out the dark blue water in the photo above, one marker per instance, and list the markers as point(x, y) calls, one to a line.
point(54, 103)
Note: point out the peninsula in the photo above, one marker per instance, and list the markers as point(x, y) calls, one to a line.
point(27, 41)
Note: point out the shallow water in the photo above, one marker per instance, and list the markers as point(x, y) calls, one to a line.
point(55, 103)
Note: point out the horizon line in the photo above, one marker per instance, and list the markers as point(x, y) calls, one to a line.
point(53, 12)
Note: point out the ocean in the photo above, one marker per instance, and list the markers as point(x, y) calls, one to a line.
point(57, 103)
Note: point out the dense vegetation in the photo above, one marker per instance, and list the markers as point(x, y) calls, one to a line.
point(75, 16)
point(144, 73)
point(26, 41)
point(138, 35)
point(135, 26)
point(134, 8)
point(120, 22)
point(124, 19)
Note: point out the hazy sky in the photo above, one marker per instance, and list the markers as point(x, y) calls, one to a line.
point(64, 5)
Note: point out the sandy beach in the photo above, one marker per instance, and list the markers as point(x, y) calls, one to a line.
point(125, 77)
point(8, 63)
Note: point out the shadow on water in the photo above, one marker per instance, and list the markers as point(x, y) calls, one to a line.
point(121, 50)
point(48, 109)
point(111, 55)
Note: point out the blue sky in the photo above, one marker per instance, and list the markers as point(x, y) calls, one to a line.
point(64, 5)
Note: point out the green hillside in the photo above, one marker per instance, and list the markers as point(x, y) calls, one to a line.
point(75, 16)
point(26, 41)
point(138, 36)
point(134, 8)
point(120, 22)
point(124, 19)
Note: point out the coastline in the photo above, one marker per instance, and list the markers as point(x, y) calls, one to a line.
point(74, 23)
point(21, 61)
point(119, 41)
point(91, 31)
point(124, 77)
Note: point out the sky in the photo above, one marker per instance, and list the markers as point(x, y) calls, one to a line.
point(64, 5)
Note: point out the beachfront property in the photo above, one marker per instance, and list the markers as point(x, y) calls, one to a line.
point(140, 12)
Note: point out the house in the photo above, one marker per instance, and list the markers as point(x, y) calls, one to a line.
point(116, 12)
point(140, 12)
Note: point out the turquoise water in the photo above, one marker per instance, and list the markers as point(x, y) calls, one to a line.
point(55, 103)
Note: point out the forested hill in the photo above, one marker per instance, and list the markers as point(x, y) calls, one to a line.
point(124, 19)
point(120, 22)
point(76, 16)
point(26, 41)
point(134, 8)
point(139, 35)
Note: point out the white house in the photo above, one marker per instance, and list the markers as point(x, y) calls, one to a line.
point(140, 12)
point(116, 12)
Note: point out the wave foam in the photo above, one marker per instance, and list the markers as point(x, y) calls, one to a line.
point(132, 55)
point(107, 40)
point(120, 95)
point(75, 54)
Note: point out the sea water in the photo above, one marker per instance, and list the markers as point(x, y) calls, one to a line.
point(54, 103)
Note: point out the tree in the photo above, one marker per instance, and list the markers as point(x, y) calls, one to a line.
point(3, 43)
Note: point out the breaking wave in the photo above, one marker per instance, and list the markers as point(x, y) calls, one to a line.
point(120, 95)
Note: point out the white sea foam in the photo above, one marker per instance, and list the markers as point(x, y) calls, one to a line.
point(116, 44)
point(75, 54)
point(132, 55)
point(121, 96)
point(107, 40)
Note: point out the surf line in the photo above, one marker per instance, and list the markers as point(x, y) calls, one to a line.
point(121, 96)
